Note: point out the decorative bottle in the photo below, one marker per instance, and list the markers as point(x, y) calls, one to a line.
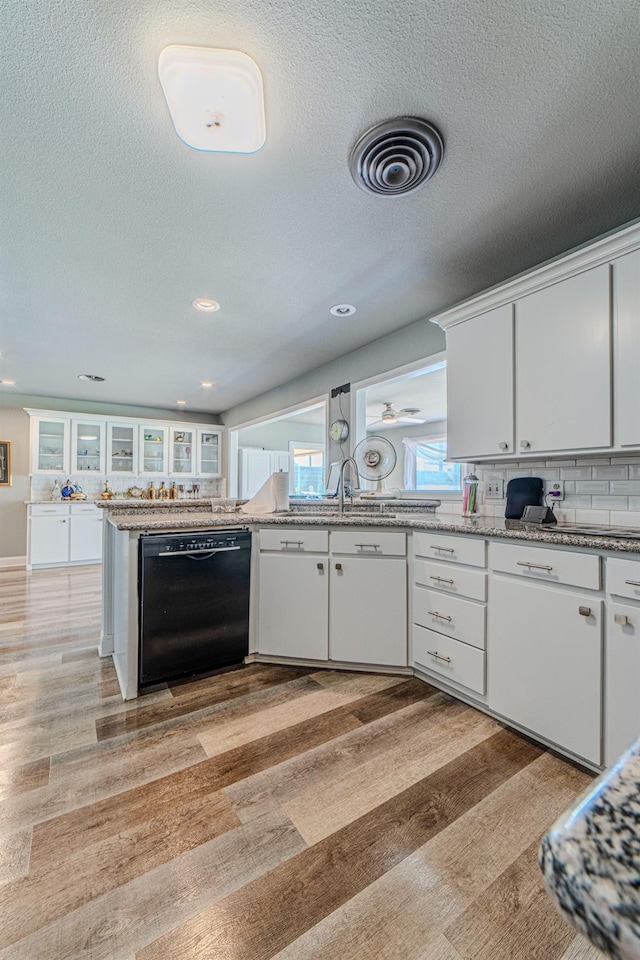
point(173, 491)
point(56, 493)
point(163, 493)
point(151, 492)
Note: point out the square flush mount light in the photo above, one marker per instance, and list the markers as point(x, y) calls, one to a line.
point(215, 98)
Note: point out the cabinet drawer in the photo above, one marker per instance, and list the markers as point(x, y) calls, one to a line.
point(623, 578)
point(294, 539)
point(441, 546)
point(381, 543)
point(455, 661)
point(456, 580)
point(49, 509)
point(88, 509)
point(460, 619)
point(550, 566)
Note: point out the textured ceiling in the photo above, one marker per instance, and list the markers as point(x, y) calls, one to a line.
point(427, 391)
point(111, 225)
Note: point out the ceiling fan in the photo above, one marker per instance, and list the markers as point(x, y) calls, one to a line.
point(391, 415)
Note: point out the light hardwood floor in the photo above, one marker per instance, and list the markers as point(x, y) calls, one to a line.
point(268, 812)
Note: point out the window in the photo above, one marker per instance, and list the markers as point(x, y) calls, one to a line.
point(308, 470)
point(426, 466)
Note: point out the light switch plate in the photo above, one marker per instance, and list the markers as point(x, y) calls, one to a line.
point(494, 490)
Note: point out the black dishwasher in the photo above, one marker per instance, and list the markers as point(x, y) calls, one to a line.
point(194, 603)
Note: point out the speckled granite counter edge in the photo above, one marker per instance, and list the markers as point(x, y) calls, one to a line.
point(475, 527)
point(590, 860)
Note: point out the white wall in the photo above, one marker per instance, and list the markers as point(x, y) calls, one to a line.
point(276, 436)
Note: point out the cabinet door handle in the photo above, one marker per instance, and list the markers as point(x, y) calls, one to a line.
point(584, 611)
point(320, 566)
point(442, 549)
point(296, 543)
point(503, 446)
point(633, 583)
point(441, 616)
point(338, 566)
point(534, 566)
point(373, 546)
point(524, 445)
point(442, 580)
point(438, 656)
point(621, 620)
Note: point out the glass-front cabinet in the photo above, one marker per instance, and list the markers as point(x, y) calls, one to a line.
point(153, 450)
point(87, 446)
point(122, 448)
point(208, 453)
point(50, 453)
point(182, 451)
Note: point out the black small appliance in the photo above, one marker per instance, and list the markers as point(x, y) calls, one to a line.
point(523, 492)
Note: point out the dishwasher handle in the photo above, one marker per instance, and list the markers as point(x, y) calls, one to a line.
point(197, 553)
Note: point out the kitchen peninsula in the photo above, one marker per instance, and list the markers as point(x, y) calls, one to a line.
point(505, 616)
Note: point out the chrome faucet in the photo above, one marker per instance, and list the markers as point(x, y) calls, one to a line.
point(354, 477)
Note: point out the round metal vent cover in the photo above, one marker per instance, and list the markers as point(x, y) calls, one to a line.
point(396, 156)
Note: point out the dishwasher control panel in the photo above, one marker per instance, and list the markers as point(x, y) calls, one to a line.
point(181, 543)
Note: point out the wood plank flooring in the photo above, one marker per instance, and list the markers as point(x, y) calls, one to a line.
point(269, 812)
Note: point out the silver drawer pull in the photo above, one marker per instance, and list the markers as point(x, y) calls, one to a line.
point(373, 546)
point(442, 580)
point(438, 656)
point(621, 620)
point(534, 566)
point(443, 549)
point(288, 543)
point(633, 583)
point(441, 616)
point(584, 611)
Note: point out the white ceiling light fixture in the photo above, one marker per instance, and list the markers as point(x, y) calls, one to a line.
point(215, 98)
point(91, 377)
point(343, 310)
point(206, 383)
point(181, 403)
point(204, 305)
point(8, 383)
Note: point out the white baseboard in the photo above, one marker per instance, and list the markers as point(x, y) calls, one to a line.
point(7, 562)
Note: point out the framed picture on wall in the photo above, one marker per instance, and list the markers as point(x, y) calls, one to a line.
point(5, 463)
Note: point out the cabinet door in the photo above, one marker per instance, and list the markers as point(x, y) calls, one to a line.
point(153, 450)
point(280, 460)
point(255, 468)
point(49, 540)
point(626, 312)
point(368, 610)
point(293, 611)
point(50, 445)
point(480, 386)
point(563, 399)
point(122, 448)
point(182, 452)
point(85, 542)
point(544, 663)
point(622, 671)
point(87, 446)
point(208, 453)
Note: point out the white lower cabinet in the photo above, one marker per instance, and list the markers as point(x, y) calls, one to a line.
point(544, 663)
point(622, 673)
point(368, 610)
point(293, 603)
point(85, 538)
point(49, 540)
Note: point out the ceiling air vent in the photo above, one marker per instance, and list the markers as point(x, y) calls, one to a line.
point(396, 156)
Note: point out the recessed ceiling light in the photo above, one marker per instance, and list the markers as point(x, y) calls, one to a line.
point(206, 306)
point(92, 377)
point(8, 383)
point(181, 403)
point(343, 310)
point(215, 98)
point(206, 383)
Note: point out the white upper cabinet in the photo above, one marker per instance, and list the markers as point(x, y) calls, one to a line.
point(153, 450)
point(122, 448)
point(208, 452)
point(87, 446)
point(182, 451)
point(626, 313)
point(563, 365)
point(49, 445)
point(480, 386)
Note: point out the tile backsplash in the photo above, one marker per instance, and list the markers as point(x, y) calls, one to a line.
point(602, 490)
point(93, 486)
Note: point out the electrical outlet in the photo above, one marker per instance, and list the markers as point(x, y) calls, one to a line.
point(494, 490)
point(555, 491)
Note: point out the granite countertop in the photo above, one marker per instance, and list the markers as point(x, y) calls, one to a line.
point(590, 860)
point(478, 526)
